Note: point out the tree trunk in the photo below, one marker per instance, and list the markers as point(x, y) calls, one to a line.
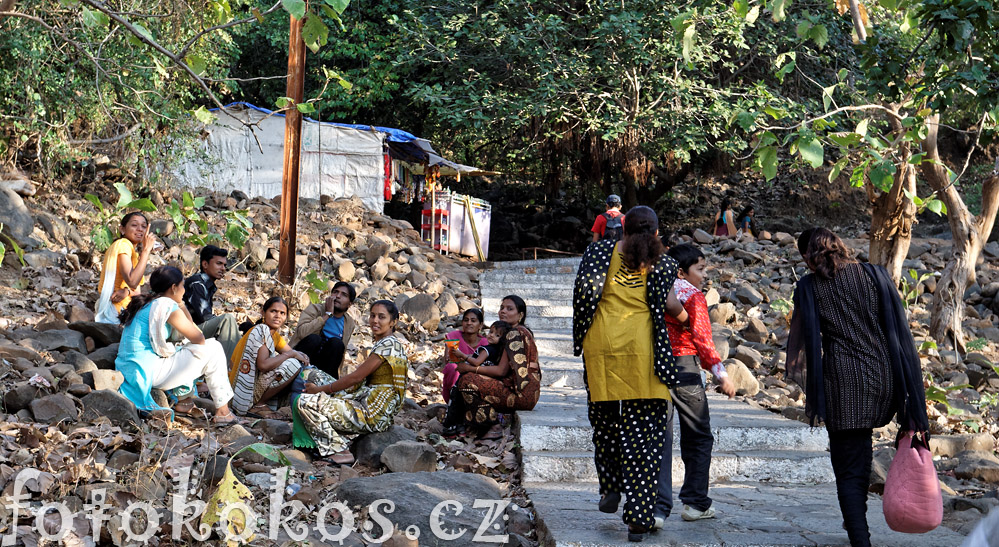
point(969, 234)
point(891, 220)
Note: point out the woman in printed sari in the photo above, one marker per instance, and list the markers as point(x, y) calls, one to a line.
point(263, 364)
point(489, 393)
point(147, 360)
point(366, 400)
point(123, 267)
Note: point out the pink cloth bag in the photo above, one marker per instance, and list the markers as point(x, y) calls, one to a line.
point(912, 501)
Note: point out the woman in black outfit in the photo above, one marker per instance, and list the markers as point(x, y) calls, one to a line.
point(851, 348)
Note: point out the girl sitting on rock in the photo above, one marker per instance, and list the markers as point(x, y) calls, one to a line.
point(263, 364)
point(123, 267)
point(147, 360)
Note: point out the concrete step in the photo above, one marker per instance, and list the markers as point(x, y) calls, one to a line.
point(562, 372)
point(503, 280)
point(541, 263)
point(536, 307)
point(551, 343)
point(531, 295)
point(747, 515)
point(559, 423)
point(789, 466)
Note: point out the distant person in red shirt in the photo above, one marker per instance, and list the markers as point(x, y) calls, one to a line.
point(610, 224)
point(692, 346)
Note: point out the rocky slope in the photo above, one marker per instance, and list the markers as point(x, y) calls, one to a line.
point(62, 418)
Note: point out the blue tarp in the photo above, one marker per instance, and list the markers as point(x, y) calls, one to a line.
point(394, 135)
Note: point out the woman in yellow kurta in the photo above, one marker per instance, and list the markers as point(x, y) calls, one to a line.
point(123, 267)
point(620, 297)
point(326, 417)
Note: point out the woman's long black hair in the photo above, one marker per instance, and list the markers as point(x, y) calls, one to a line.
point(823, 251)
point(641, 246)
point(726, 204)
point(160, 282)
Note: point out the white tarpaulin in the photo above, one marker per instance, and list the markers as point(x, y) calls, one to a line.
point(336, 161)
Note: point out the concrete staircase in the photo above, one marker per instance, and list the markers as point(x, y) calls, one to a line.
point(771, 477)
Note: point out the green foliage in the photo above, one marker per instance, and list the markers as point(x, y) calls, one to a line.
point(911, 285)
point(925, 57)
point(978, 344)
point(193, 228)
point(102, 234)
point(318, 285)
point(18, 252)
point(939, 395)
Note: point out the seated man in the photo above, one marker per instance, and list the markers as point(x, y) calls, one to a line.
point(199, 291)
point(324, 329)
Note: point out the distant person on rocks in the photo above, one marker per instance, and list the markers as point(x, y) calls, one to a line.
point(490, 393)
point(147, 360)
point(621, 296)
point(199, 297)
point(123, 267)
point(324, 329)
point(694, 350)
point(364, 401)
point(747, 223)
point(609, 224)
point(724, 225)
point(851, 350)
point(264, 364)
point(469, 340)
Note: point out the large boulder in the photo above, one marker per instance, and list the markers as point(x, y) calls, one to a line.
point(57, 340)
point(54, 408)
point(755, 331)
point(368, 449)
point(17, 220)
point(417, 495)
point(104, 334)
point(722, 313)
point(742, 378)
point(110, 404)
point(703, 237)
point(748, 295)
point(409, 457)
point(951, 445)
point(423, 309)
point(978, 464)
point(20, 396)
point(103, 379)
point(43, 258)
point(104, 357)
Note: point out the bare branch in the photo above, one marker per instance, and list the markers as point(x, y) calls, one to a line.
point(116, 138)
point(100, 6)
point(183, 51)
point(831, 113)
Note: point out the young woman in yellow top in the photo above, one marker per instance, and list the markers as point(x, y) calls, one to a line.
point(124, 266)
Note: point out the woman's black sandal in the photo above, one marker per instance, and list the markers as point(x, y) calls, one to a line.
point(636, 533)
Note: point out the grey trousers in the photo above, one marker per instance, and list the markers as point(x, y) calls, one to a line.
point(225, 329)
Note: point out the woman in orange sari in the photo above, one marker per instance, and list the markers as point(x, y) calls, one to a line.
point(489, 393)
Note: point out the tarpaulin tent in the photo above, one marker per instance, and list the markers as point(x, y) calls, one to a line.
point(338, 160)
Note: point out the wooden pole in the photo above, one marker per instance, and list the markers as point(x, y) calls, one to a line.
point(292, 153)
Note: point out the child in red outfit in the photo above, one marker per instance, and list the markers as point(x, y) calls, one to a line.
point(694, 350)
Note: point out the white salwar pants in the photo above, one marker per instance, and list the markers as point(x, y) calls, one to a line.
point(193, 361)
